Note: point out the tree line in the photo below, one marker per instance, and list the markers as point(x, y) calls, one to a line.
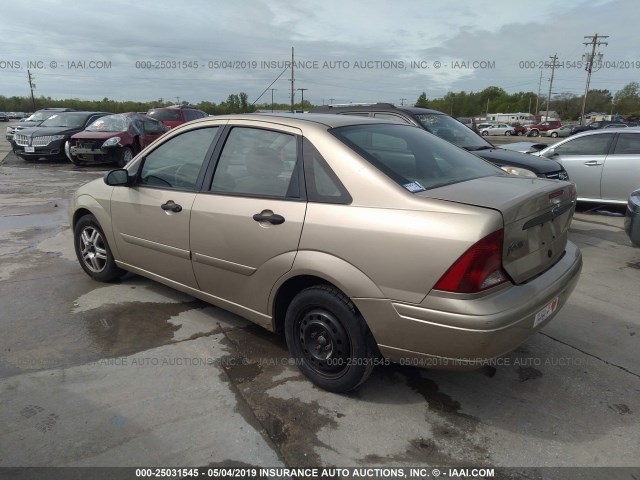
point(495, 100)
point(458, 104)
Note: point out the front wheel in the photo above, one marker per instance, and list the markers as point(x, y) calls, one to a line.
point(124, 156)
point(554, 134)
point(519, 133)
point(534, 133)
point(93, 251)
point(329, 339)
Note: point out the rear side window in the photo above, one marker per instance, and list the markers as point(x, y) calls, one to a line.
point(412, 157)
point(258, 162)
point(628, 144)
point(323, 186)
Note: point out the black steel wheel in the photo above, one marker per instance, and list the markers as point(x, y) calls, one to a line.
point(329, 338)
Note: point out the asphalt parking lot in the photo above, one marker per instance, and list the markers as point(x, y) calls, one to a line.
point(136, 374)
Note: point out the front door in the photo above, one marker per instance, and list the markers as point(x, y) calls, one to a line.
point(151, 219)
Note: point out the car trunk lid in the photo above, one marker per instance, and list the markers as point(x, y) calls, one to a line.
point(537, 214)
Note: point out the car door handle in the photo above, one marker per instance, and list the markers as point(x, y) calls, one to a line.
point(274, 219)
point(170, 206)
point(592, 163)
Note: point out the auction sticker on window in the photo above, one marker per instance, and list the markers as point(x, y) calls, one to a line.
point(414, 187)
point(546, 312)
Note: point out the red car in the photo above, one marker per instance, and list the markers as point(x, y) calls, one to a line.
point(177, 115)
point(114, 139)
point(518, 129)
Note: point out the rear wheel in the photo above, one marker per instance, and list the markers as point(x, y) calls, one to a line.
point(93, 251)
point(507, 133)
point(329, 339)
point(485, 133)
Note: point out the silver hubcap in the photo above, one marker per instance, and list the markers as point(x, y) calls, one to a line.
point(93, 249)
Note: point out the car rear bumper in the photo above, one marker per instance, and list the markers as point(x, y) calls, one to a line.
point(449, 331)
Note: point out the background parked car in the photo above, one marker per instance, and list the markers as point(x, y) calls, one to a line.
point(604, 163)
point(451, 130)
point(519, 129)
point(33, 120)
point(114, 139)
point(538, 128)
point(498, 129)
point(595, 126)
point(632, 218)
point(176, 115)
point(4, 117)
point(47, 140)
point(563, 131)
point(283, 233)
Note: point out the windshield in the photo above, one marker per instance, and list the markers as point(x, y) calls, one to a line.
point(452, 131)
point(110, 123)
point(69, 120)
point(38, 117)
point(412, 158)
point(166, 115)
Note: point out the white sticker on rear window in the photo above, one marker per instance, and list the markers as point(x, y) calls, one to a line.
point(414, 187)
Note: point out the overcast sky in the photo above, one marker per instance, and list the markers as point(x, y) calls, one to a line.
point(352, 51)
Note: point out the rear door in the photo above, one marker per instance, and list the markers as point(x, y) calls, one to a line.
point(583, 158)
point(246, 229)
point(621, 172)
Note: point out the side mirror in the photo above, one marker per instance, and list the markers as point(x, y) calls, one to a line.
point(117, 178)
point(549, 153)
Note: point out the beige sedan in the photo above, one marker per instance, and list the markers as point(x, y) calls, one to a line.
point(362, 241)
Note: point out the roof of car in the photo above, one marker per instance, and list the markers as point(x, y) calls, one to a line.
point(375, 107)
point(300, 119)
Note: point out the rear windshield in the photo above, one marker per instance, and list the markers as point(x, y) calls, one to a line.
point(166, 115)
point(452, 131)
point(412, 157)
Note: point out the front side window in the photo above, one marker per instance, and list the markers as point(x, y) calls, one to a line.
point(589, 145)
point(176, 164)
point(258, 162)
point(412, 157)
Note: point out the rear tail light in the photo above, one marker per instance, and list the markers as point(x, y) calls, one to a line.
point(478, 268)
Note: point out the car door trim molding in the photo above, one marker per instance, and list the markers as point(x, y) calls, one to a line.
point(224, 264)
point(141, 242)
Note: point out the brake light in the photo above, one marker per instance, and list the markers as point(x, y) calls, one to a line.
point(478, 268)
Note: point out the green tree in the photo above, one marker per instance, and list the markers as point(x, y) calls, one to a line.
point(422, 100)
point(627, 100)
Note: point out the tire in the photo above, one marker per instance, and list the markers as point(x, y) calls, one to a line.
point(519, 133)
point(124, 156)
point(554, 134)
point(485, 133)
point(93, 251)
point(507, 133)
point(534, 133)
point(330, 341)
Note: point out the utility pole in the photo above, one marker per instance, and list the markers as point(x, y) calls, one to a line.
point(272, 89)
point(178, 99)
point(402, 102)
point(487, 114)
point(32, 86)
point(331, 101)
point(302, 104)
point(553, 71)
point(293, 109)
point(538, 97)
point(590, 58)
